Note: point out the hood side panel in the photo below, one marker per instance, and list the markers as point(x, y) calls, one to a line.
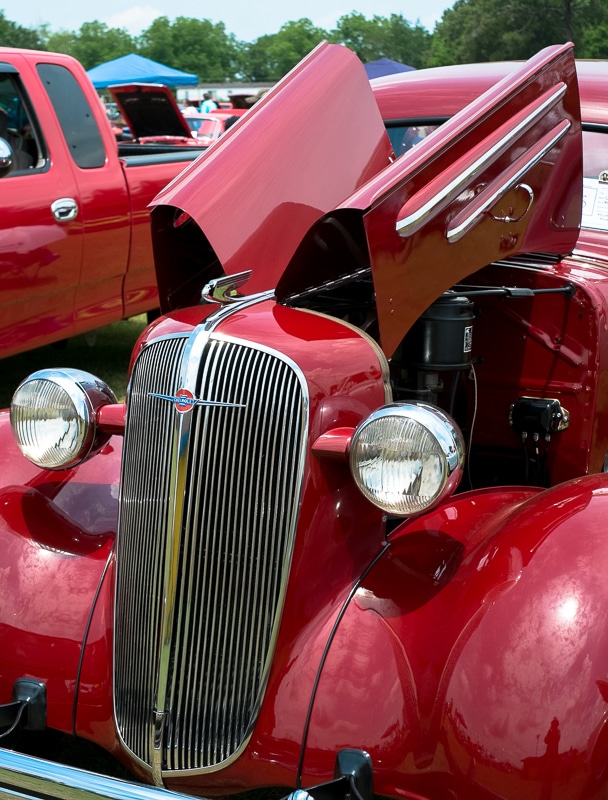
point(500, 178)
point(308, 144)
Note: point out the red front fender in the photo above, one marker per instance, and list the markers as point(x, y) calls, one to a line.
point(57, 530)
point(474, 657)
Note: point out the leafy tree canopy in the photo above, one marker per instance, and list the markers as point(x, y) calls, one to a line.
point(270, 57)
point(192, 45)
point(471, 30)
point(381, 37)
point(495, 30)
point(94, 44)
point(13, 35)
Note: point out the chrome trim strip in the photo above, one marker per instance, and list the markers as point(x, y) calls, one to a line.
point(35, 778)
point(382, 360)
point(523, 165)
point(412, 222)
point(190, 363)
point(162, 360)
point(213, 320)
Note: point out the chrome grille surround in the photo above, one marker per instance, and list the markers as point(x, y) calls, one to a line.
point(209, 503)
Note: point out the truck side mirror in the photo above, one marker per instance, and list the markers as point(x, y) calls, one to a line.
point(7, 161)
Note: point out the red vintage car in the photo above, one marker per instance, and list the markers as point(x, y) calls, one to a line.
point(347, 534)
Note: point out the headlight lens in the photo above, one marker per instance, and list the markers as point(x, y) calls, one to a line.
point(406, 457)
point(54, 416)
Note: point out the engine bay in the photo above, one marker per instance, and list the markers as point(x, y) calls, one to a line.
point(512, 355)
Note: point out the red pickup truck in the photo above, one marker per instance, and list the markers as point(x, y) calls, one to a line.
point(75, 246)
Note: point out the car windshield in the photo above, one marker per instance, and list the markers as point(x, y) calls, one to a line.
point(595, 179)
point(205, 127)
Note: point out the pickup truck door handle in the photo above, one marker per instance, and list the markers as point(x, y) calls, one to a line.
point(64, 209)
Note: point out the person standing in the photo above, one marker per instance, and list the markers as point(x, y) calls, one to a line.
point(208, 104)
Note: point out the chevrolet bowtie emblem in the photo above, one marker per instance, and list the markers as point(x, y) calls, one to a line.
point(184, 401)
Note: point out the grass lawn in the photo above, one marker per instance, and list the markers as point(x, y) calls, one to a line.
point(104, 352)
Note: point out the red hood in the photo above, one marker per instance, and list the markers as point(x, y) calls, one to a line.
point(308, 144)
point(150, 110)
point(311, 164)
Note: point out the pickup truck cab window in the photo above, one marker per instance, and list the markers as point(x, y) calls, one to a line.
point(75, 116)
point(17, 125)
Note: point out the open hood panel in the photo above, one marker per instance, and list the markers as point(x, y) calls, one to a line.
point(150, 110)
point(310, 142)
point(501, 177)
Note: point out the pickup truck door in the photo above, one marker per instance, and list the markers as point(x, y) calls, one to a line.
point(40, 240)
point(66, 224)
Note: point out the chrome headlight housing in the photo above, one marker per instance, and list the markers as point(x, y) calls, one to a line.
point(54, 416)
point(407, 457)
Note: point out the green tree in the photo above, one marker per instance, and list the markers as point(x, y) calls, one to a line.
point(493, 30)
point(255, 60)
point(61, 41)
point(270, 57)
point(380, 37)
point(94, 43)
point(409, 44)
point(13, 35)
point(192, 45)
point(595, 41)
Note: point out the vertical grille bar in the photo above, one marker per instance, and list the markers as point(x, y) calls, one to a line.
point(239, 514)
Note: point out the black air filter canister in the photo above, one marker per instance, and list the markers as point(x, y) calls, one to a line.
point(441, 339)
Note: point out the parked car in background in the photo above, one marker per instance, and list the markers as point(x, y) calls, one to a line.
point(206, 128)
point(151, 115)
point(347, 534)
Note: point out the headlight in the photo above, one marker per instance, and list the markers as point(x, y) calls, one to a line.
point(406, 457)
point(54, 416)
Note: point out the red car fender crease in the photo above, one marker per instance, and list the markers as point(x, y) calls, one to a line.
point(62, 526)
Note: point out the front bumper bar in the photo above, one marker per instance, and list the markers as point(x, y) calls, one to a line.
point(28, 778)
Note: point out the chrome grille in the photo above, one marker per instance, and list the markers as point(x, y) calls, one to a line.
point(230, 540)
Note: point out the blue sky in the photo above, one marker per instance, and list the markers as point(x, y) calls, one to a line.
point(245, 19)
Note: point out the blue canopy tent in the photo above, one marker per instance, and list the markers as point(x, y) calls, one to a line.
point(384, 66)
point(137, 69)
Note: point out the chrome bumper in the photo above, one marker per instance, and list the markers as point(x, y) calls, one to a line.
point(28, 778)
